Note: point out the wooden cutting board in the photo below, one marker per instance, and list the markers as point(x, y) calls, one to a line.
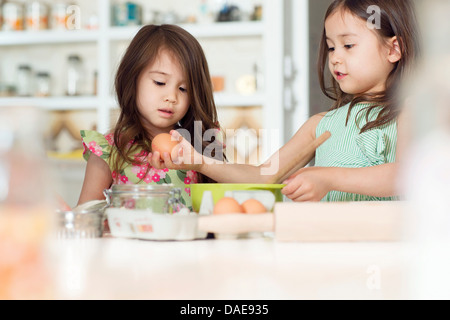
point(317, 222)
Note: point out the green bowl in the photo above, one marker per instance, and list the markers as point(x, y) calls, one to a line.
point(218, 191)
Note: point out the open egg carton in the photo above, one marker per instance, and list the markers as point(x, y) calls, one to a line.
point(267, 198)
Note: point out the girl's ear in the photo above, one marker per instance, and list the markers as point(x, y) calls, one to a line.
point(395, 53)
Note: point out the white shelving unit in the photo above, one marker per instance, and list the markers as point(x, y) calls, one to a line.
point(269, 30)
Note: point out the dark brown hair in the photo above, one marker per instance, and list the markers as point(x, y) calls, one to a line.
point(397, 19)
point(142, 51)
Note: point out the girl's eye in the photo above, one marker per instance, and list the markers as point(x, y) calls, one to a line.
point(330, 49)
point(349, 46)
point(159, 83)
point(183, 89)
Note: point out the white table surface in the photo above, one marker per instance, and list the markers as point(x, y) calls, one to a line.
point(257, 269)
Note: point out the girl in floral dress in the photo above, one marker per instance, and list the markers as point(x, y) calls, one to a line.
point(162, 83)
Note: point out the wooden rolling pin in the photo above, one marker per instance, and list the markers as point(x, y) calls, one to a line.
point(299, 161)
point(317, 221)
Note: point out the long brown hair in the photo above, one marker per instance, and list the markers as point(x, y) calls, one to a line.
point(142, 51)
point(397, 19)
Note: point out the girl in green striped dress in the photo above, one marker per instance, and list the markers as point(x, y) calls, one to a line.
point(368, 46)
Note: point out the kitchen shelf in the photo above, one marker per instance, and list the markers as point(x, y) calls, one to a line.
point(43, 37)
point(212, 30)
point(233, 100)
point(91, 102)
point(52, 103)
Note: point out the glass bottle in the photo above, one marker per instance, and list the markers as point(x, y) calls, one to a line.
point(42, 84)
point(73, 75)
point(37, 16)
point(24, 81)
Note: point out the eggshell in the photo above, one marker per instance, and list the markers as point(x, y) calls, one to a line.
point(163, 143)
point(253, 206)
point(227, 205)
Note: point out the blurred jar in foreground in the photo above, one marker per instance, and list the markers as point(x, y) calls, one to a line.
point(25, 207)
point(425, 179)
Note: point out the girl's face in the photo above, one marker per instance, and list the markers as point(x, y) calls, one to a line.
point(357, 59)
point(162, 99)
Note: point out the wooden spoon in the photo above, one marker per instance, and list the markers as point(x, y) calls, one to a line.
point(299, 161)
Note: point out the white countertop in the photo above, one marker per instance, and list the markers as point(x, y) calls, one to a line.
point(257, 269)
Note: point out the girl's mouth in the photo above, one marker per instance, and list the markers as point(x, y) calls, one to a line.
point(165, 113)
point(339, 75)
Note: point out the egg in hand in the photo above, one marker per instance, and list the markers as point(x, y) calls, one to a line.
point(162, 143)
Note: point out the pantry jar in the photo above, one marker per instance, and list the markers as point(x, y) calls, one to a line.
point(42, 84)
point(74, 70)
point(37, 16)
point(24, 81)
point(155, 198)
point(59, 16)
point(13, 16)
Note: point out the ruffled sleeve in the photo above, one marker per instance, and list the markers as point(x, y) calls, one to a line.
point(373, 146)
point(96, 143)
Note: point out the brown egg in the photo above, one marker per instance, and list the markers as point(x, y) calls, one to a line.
point(163, 143)
point(253, 206)
point(227, 205)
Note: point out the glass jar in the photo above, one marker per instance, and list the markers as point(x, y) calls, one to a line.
point(73, 75)
point(24, 81)
point(59, 16)
point(42, 84)
point(37, 16)
point(154, 198)
point(12, 16)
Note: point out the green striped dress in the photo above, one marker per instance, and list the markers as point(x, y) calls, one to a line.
point(347, 148)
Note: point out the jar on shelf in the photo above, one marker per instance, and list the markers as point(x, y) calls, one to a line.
point(58, 16)
point(13, 16)
point(42, 84)
point(37, 16)
point(24, 80)
point(74, 65)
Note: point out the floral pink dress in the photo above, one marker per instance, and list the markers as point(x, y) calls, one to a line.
point(137, 172)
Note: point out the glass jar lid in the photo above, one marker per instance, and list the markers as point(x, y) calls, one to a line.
point(141, 188)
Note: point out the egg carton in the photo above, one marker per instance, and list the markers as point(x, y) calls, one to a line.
point(266, 197)
point(147, 225)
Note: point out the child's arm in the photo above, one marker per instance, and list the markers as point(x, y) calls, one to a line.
point(97, 178)
point(241, 173)
point(312, 184)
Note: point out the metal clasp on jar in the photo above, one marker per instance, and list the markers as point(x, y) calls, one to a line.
point(174, 204)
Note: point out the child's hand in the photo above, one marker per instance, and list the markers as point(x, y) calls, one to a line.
point(183, 157)
point(307, 184)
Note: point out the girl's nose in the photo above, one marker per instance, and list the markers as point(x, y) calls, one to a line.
point(171, 97)
point(335, 58)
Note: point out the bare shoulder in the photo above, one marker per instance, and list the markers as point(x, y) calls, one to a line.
point(311, 124)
